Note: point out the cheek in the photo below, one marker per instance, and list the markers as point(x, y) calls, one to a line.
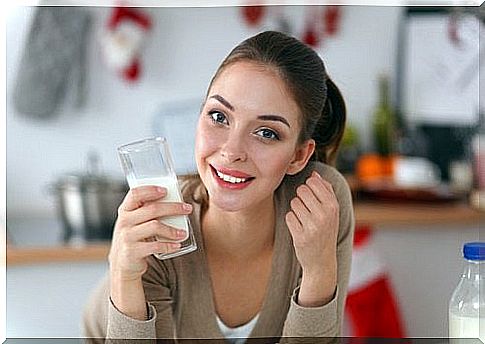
point(205, 143)
point(272, 162)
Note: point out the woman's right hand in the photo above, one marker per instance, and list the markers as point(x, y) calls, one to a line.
point(137, 225)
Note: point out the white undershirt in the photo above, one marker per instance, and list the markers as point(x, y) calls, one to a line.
point(237, 335)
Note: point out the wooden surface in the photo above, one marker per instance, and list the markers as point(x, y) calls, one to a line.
point(396, 215)
point(38, 255)
point(379, 215)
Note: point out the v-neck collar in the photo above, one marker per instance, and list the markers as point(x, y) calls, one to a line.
point(264, 317)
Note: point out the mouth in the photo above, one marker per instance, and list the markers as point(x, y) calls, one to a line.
point(235, 179)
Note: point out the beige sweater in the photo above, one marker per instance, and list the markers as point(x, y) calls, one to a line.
point(179, 292)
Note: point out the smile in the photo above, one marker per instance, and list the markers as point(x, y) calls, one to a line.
point(230, 179)
point(227, 180)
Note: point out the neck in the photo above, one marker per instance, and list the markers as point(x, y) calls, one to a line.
point(240, 234)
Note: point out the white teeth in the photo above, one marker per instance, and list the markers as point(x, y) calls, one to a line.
point(230, 179)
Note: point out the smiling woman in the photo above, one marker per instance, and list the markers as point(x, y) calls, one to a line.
point(272, 219)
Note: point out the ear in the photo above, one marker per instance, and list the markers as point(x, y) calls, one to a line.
point(301, 156)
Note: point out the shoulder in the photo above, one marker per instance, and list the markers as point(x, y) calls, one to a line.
point(192, 189)
point(329, 173)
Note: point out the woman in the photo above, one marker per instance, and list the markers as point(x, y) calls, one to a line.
point(273, 221)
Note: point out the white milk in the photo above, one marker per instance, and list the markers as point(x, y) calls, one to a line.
point(466, 327)
point(173, 195)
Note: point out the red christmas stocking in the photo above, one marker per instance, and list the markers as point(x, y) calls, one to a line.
point(371, 306)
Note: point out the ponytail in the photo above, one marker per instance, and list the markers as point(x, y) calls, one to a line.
point(330, 127)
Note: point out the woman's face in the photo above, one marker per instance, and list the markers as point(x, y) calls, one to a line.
point(247, 137)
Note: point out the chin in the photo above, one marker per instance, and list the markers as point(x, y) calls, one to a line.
point(230, 204)
point(226, 206)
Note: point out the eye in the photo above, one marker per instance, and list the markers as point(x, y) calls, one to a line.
point(268, 134)
point(218, 117)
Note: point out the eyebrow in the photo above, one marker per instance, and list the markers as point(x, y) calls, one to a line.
point(274, 118)
point(262, 117)
point(223, 101)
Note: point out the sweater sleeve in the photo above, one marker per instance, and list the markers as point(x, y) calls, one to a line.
point(326, 320)
point(104, 323)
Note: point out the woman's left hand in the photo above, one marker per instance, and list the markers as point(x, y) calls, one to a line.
point(313, 222)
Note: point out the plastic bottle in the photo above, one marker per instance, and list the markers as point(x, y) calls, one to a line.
point(466, 312)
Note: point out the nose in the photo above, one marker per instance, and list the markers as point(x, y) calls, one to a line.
point(233, 149)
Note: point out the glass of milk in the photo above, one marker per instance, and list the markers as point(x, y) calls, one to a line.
point(149, 162)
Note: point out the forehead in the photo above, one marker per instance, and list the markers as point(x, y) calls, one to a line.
point(255, 88)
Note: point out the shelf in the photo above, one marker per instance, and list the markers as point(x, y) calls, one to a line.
point(379, 215)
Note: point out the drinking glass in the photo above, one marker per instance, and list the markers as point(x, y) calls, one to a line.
point(149, 162)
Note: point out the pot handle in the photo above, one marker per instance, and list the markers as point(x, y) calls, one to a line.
point(93, 163)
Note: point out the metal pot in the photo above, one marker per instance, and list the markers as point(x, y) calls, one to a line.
point(87, 205)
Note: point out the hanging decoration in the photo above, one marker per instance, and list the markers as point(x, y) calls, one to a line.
point(122, 43)
point(310, 34)
point(372, 308)
point(321, 22)
point(331, 20)
point(253, 15)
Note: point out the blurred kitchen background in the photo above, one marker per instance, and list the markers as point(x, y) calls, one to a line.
point(83, 80)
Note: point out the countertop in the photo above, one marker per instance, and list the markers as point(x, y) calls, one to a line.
point(35, 241)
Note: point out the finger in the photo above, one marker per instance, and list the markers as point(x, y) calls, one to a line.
point(155, 210)
point(322, 189)
point(136, 197)
point(154, 228)
point(301, 212)
point(326, 184)
point(293, 223)
point(309, 199)
point(145, 249)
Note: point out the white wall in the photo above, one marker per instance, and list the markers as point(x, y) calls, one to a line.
point(184, 50)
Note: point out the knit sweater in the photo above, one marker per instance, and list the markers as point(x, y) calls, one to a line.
point(179, 292)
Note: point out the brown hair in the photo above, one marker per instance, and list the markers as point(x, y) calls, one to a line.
point(320, 102)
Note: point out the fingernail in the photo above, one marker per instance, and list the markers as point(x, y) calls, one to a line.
point(174, 245)
point(181, 234)
point(187, 206)
point(160, 190)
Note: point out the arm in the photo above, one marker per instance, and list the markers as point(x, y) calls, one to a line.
point(135, 276)
point(318, 311)
point(102, 319)
point(157, 309)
